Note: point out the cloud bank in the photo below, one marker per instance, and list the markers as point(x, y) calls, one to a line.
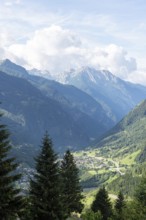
point(57, 49)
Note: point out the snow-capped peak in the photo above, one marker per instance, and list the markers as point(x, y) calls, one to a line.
point(88, 73)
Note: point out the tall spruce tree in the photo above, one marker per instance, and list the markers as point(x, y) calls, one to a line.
point(45, 190)
point(72, 191)
point(120, 202)
point(102, 203)
point(119, 207)
point(10, 199)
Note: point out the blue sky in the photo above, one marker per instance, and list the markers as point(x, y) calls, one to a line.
point(61, 34)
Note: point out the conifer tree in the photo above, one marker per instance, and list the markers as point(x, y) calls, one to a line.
point(72, 191)
point(120, 202)
point(10, 199)
point(45, 190)
point(102, 203)
point(141, 192)
point(119, 207)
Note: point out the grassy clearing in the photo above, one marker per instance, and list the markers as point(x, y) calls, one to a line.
point(89, 196)
point(111, 179)
point(104, 170)
point(130, 159)
point(92, 172)
point(87, 174)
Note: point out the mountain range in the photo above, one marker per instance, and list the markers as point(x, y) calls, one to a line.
point(116, 96)
point(33, 105)
point(78, 109)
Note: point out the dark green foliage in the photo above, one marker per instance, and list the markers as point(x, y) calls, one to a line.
point(119, 206)
point(129, 182)
point(72, 191)
point(120, 203)
point(102, 203)
point(95, 180)
point(134, 211)
point(10, 199)
point(45, 191)
point(27, 214)
point(90, 215)
point(140, 194)
point(142, 156)
point(126, 183)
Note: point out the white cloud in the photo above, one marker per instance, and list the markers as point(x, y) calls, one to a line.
point(57, 49)
point(138, 77)
point(51, 48)
point(118, 62)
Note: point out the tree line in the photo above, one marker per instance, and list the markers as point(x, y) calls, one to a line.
point(55, 191)
point(103, 209)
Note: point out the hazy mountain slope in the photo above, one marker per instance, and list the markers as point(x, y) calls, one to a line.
point(74, 98)
point(9, 67)
point(80, 105)
point(29, 114)
point(116, 96)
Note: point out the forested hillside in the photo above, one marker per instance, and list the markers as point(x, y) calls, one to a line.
point(118, 159)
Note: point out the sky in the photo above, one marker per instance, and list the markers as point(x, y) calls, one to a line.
point(57, 35)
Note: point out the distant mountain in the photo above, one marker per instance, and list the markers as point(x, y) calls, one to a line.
point(9, 67)
point(85, 119)
point(76, 100)
point(29, 114)
point(32, 105)
point(68, 96)
point(116, 96)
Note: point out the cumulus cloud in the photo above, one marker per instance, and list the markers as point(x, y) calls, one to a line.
point(138, 77)
point(51, 48)
point(57, 49)
point(114, 59)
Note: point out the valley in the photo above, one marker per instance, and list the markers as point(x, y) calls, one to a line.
point(87, 114)
point(72, 110)
point(91, 160)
